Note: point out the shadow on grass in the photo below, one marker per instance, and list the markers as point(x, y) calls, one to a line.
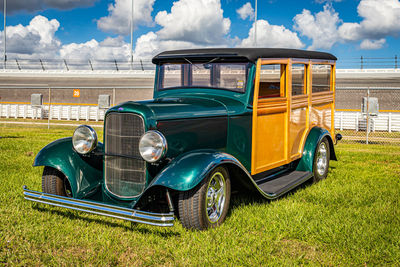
point(10, 137)
point(245, 198)
point(133, 226)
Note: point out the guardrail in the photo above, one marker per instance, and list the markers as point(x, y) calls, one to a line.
point(361, 63)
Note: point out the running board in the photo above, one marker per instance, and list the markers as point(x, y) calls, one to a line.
point(282, 184)
point(138, 216)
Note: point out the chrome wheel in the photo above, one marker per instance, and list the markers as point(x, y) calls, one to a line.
point(322, 159)
point(215, 197)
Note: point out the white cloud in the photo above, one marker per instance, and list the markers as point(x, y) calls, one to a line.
point(149, 44)
point(246, 11)
point(36, 5)
point(119, 18)
point(36, 39)
point(381, 18)
point(189, 24)
point(372, 44)
point(195, 21)
point(322, 28)
point(109, 49)
point(272, 36)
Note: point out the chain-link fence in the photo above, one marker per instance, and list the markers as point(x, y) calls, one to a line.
point(368, 115)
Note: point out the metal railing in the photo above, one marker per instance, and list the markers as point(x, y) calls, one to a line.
point(146, 64)
point(73, 64)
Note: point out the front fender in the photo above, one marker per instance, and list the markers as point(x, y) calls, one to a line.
point(314, 137)
point(84, 173)
point(189, 169)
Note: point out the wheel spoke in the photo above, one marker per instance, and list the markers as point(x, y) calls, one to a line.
point(215, 199)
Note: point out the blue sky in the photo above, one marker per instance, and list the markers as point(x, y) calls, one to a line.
point(81, 29)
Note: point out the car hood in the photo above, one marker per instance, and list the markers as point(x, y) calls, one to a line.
point(175, 108)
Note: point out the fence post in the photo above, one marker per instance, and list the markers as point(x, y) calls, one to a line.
point(69, 113)
point(19, 67)
point(116, 65)
point(49, 115)
point(66, 65)
point(8, 111)
point(59, 112)
point(16, 111)
point(362, 62)
point(357, 122)
point(91, 66)
point(341, 120)
point(390, 122)
point(141, 63)
point(87, 113)
point(395, 62)
point(78, 112)
point(25, 111)
point(367, 116)
point(113, 97)
point(41, 63)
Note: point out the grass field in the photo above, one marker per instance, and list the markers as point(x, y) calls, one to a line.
point(351, 218)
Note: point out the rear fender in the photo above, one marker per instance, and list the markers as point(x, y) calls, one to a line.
point(84, 173)
point(314, 137)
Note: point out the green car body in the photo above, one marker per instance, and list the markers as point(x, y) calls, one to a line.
point(204, 128)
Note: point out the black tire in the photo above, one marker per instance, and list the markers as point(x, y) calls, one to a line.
point(193, 210)
point(321, 160)
point(54, 182)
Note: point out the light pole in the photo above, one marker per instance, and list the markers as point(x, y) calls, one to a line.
point(5, 35)
point(255, 25)
point(131, 59)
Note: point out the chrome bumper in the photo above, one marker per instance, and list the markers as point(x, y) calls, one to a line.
point(156, 219)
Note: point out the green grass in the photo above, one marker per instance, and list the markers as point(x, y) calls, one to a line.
point(351, 218)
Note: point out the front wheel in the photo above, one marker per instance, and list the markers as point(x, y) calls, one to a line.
point(206, 205)
point(54, 182)
point(321, 160)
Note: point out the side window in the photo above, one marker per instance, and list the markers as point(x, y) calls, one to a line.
point(321, 78)
point(172, 75)
point(270, 81)
point(298, 71)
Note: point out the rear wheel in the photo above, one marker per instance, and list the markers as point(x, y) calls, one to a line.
point(206, 205)
point(54, 182)
point(321, 160)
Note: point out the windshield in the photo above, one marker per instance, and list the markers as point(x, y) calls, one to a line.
point(226, 76)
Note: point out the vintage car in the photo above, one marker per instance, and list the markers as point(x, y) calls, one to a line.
point(254, 119)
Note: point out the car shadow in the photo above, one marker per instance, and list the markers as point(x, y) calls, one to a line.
point(132, 227)
point(244, 198)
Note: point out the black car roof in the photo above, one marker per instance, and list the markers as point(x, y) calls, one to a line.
point(242, 54)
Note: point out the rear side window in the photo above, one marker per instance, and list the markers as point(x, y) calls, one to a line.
point(321, 78)
point(270, 81)
point(298, 71)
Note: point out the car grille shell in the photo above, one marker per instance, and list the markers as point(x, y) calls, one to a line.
point(124, 168)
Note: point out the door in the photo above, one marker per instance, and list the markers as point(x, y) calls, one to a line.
point(270, 116)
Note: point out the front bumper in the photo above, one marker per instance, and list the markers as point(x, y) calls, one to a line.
point(156, 219)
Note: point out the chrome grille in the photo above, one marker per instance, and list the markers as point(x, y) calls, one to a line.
point(125, 170)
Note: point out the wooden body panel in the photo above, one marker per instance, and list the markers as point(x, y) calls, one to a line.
point(281, 124)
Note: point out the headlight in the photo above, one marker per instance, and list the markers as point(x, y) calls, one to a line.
point(152, 146)
point(84, 139)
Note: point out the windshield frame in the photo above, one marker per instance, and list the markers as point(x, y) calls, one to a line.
point(160, 76)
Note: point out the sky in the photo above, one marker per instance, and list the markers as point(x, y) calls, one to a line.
point(100, 29)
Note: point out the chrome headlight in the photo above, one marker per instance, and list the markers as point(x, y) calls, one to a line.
point(84, 139)
point(152, 146)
